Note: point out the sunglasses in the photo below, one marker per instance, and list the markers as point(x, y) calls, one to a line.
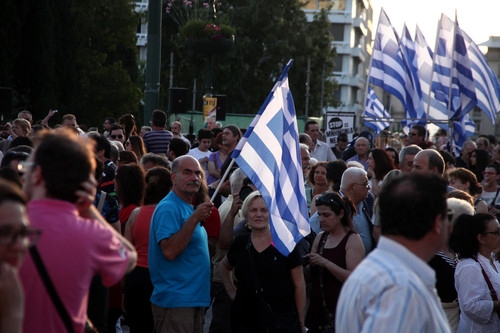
point(326, 200)
point(119, 136)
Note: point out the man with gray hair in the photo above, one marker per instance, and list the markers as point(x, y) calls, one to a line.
point(362, 149)
point(178, 254)
point(467, 148)
point(354, 185)
point(406, 156)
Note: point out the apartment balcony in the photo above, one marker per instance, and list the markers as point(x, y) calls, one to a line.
point(342, 47)
point(358, 52)
point(360, 23)
point(348, 80)
point(142, 39)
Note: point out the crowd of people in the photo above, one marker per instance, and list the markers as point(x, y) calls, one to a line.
point(122, 230)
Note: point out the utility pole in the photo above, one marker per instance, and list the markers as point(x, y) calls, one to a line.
point(153, 61)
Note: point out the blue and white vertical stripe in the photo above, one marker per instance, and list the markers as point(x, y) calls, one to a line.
point(452, 81)
point(390, 70)
point(375, 115)
point(269, 155)
point(436, 111)
point(486, 82)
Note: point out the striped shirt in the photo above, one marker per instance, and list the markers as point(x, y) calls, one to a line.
point(391, 290)
point(157, 141)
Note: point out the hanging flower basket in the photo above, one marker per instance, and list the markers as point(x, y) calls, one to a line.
point(207, 38)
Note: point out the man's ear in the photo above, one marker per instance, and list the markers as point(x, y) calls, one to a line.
point(36, 175)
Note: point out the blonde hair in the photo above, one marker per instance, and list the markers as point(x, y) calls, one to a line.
point(246, 204)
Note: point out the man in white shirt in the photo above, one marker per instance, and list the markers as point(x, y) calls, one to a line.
point(393, 289)
point(201, 153)
point(322, 151)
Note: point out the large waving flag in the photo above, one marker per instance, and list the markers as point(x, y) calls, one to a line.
point(452, 82)
point(485, 81)
point(375, 115)
point(390, 70)
point(269, 155)
point(436, 111)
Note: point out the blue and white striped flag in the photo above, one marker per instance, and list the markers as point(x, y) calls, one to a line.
point(269, 155)
point(462, 130)
point(452, 70)
point(485, 80)
point(375, 115)
point(436, 111)
point(390, 70)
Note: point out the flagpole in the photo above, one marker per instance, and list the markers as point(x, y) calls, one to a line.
point(450, 122)
point(221, 181)
point(370, 69)
point(436, 43)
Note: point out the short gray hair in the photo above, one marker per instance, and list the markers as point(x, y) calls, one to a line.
point(410, 150)
point(348, 177)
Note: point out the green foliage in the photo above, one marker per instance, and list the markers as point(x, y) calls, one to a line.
point(198, 29)
point(268, 34)
point(78, 57)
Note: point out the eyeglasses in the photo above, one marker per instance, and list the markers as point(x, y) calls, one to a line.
point(496, 232)
point(119, 136)
point(413, 134)
point(9, 237)
point(365, 184)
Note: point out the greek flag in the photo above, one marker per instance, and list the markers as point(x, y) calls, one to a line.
point(485, 81)
point(390, 70)
point(462, 130)
point(436, 111)
point(452, 70)
point(269, 155)
point(375, 115)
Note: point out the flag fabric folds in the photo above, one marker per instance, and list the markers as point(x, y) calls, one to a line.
point(390, 70)
point(485, 81)
point(269, 155)
point(436, 111)
point(375, 115)
point(452, 82)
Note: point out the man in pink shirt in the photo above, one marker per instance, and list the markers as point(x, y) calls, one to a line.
point(76, 242)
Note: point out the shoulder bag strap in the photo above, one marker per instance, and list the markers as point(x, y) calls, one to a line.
point(495, 198)
point(49, 286)
point(493, 292)
point(329, 323)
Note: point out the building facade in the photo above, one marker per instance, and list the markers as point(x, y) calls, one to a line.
point(352, 27)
